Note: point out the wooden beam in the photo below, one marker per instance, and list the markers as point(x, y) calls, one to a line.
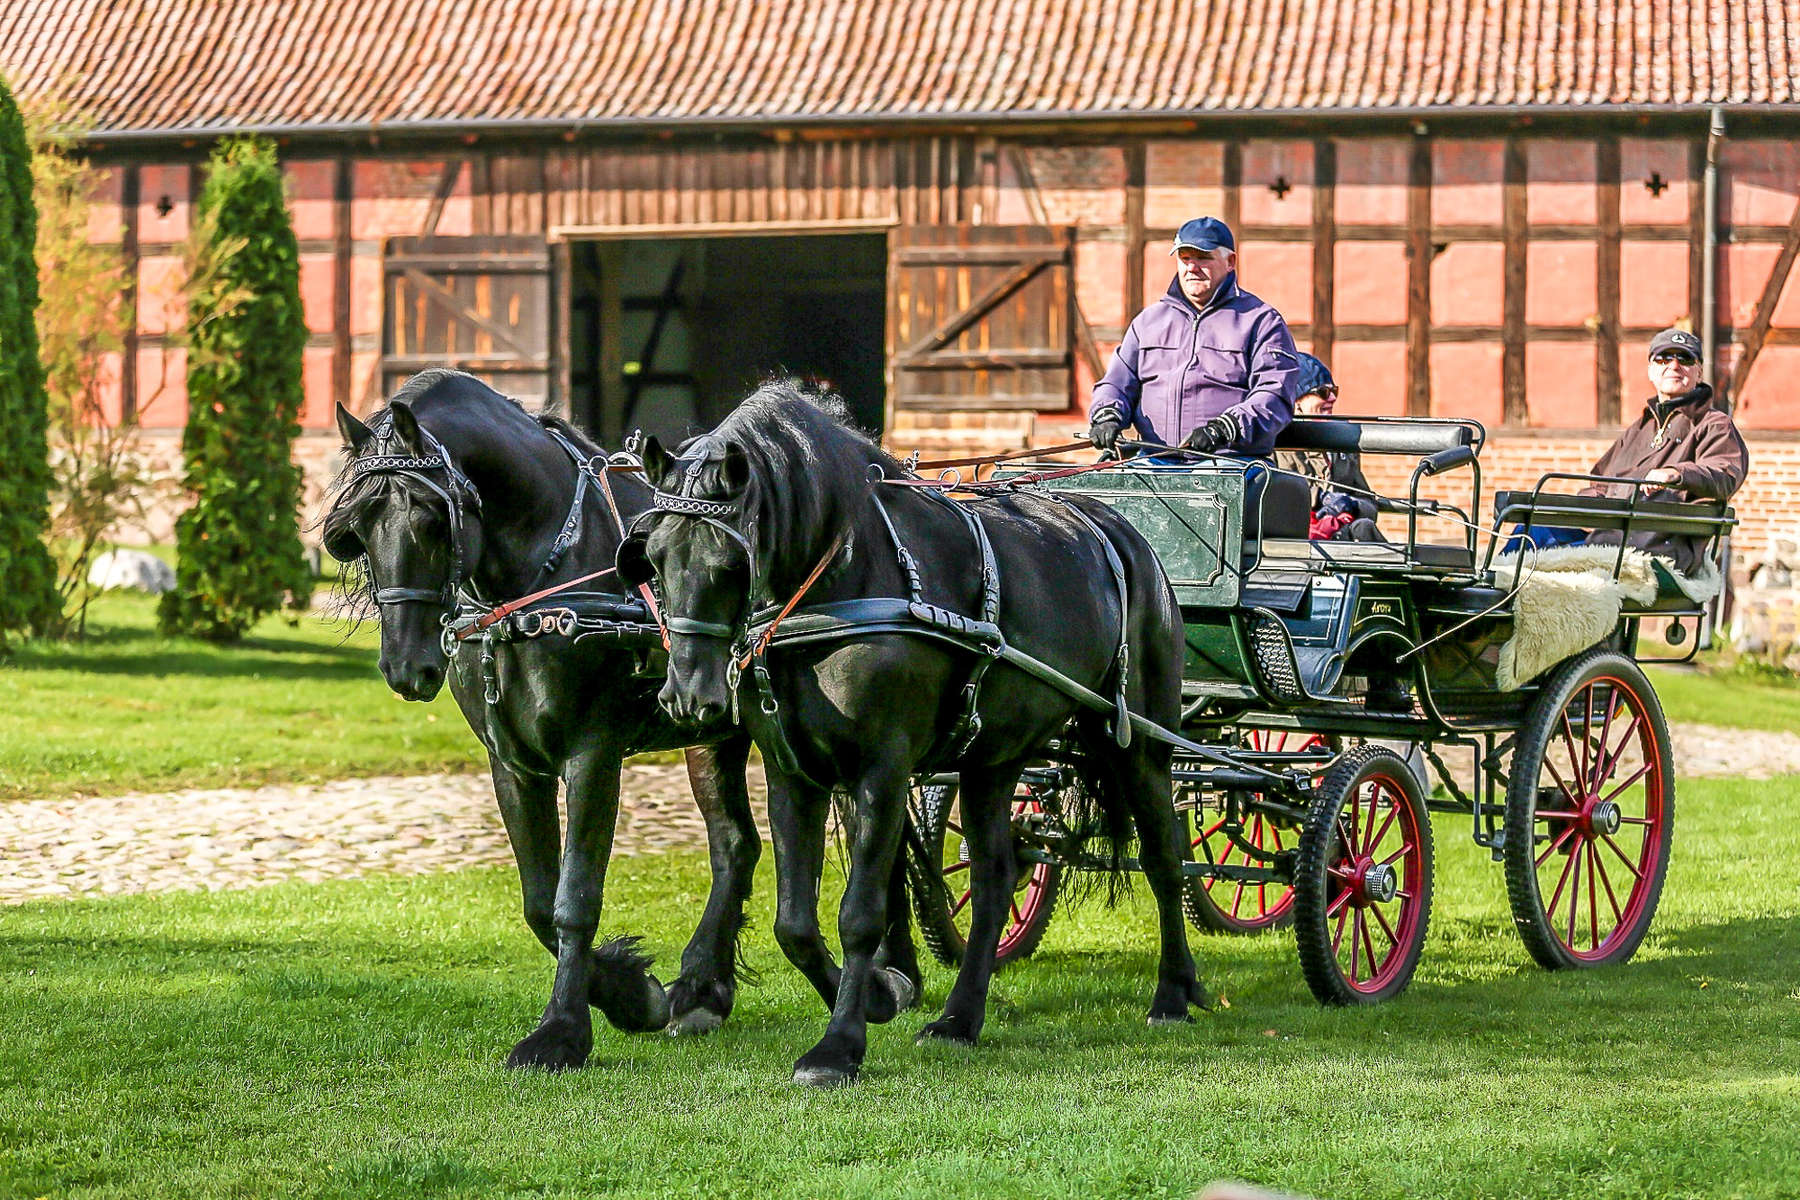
point(1606, 333)
point(1040, 214)
point(1232, 181)
point(446, 185)
point(1135, 158)
point(129, 198)
point(1418, 280)
point(1514, 410)
point(1324, 253)
point(453, 304)
point(343, 189)
point(1758, 333)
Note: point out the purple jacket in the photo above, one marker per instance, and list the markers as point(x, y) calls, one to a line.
point(1178, 368)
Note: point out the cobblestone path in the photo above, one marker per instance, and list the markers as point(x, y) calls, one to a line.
point(209, 840)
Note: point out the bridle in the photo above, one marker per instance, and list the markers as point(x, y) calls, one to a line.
point(718, 514)
point(460, 498)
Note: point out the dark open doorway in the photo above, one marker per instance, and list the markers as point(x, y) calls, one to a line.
point(668, 335)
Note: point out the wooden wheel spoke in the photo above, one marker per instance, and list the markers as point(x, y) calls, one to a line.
point(1567, 833)
point(1385, 927)
point(1337, 906)
point(953, 868)
point(1017, 916)
point(1635, 776)
point(1356, 934)
point(1237, 897)
point(1611, 763)
point(1574, 897)
point(1629, 865)
point(1593, 901)
point(1337, 937)
point(1375, 838)
point(1568, 792)
point(1405, 849)
point(1599, 864)
point(1550, 908)
point(1368, 941)
point(961, 904)
point(1600, 758)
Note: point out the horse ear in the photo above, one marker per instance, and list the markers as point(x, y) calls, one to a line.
point(656, 461)
point(406, 425)
point(356, 434)
point(735, 470)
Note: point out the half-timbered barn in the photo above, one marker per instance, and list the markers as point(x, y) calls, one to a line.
point(629, 211)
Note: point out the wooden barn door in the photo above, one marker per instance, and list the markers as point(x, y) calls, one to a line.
point(980, 319)
point(481, 304)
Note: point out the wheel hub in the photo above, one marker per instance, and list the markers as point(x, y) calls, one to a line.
point(1603, 818)
point(1380, 883)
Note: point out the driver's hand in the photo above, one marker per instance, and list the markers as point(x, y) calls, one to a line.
point(1104, 432)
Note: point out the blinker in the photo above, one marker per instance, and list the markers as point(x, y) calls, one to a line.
point(632, 560)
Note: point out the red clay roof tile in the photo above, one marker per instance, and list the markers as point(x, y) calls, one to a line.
point(149, 65)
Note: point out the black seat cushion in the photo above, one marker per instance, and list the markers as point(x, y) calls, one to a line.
point(1277, 506)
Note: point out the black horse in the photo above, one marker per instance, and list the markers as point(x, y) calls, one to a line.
point(455, 491)
point(782, 495)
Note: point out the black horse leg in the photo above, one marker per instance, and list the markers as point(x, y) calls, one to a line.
point(1139, 779)
point(701, 998)
point(986, 800)
point(528, 809)
point(797, 813)
point(626, 990)
point(862, 919)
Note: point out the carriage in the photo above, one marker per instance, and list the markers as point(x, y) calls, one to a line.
point(1321, 676)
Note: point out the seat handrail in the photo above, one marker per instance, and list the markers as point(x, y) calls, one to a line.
point(1634, 513)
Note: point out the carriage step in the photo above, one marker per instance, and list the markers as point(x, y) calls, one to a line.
point(1272, 653)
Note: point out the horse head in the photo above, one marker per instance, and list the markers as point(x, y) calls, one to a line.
point(697, 545)
point(408, 514)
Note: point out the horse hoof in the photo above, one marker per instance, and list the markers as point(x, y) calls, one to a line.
point(1160, 1020)
point(905, 993)
point(552, 1054)
point(695, 1023)
point(824, 1077)
point(656, 1006)
point(941, 1034)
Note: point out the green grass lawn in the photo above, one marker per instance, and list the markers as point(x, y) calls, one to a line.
point(130, 710)
point(344, 1040)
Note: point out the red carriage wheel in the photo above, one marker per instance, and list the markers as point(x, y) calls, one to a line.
point(941, 902)
point(1362, 880)
point(1590, 809)
point(1226, 905)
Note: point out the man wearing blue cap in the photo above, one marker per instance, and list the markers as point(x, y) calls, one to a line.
point(1208, 366)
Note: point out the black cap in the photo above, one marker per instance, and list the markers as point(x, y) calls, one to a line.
point(1676, 339)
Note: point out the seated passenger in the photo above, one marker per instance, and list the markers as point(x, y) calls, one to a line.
point(1684, 439)
point(1343, 503)
point(1208, 367)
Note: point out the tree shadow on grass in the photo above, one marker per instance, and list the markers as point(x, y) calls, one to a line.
point(152, 655)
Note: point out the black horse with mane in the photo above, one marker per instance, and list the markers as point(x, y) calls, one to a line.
point(455, 497)
point(906, 655)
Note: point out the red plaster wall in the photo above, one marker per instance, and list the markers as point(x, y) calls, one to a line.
point(1370, 283)
point(1263, 164)
point(1371, 378)
point(1371, 181)
point(1638, 161)
point(1559, 283)
point(1559, 384)
point(1281, 273)
point(1182, 179)
point(1467, 182)
point(1653, 283)
point(1560, 183)
point(1465, 381)
point(1468, 284)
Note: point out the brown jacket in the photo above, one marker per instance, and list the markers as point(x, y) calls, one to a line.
point(1696, 437)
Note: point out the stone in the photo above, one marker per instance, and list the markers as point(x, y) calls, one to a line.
point(134, 569)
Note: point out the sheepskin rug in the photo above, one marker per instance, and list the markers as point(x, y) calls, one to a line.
point(1567, 600)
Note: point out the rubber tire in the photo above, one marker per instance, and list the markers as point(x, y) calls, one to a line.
point(931, 902)
point(1521, 808)
point(1312, 927)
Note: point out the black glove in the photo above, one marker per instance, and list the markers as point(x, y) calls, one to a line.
point(1104, 432)
point(1219, 432)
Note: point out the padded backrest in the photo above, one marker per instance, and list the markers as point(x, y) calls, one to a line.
point(1701, 518)
point(1375, 435)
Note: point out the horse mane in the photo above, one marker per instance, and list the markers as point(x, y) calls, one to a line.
point(809, 465)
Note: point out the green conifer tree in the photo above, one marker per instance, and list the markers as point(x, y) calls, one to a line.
point(238, 543)
point(28, 601)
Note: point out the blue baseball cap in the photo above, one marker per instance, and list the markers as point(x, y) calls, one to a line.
point(1204, 234)
point(1312, 376)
